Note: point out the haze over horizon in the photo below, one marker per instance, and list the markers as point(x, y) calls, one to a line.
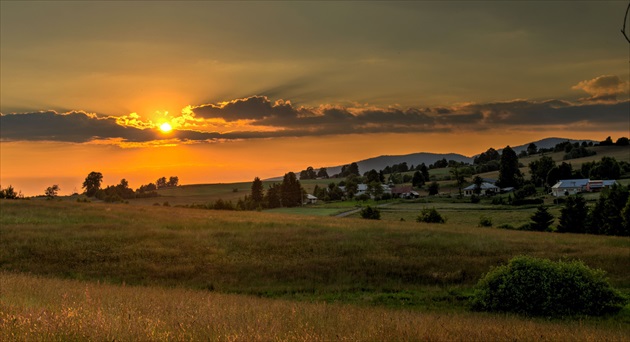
point(261, 88)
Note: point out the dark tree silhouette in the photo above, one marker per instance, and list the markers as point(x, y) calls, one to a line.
point(257, 191)
point(92, 183)
point(509, 173)
point(573, 215)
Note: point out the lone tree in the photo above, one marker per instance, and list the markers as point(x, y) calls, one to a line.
point(509, 173)
point(434, 188)
point(51, 191)
point(92, 183)
point(541, 220)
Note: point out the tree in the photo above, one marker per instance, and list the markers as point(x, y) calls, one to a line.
point(322, 173)
point(257, 191)
point(309, 173)
point(51, 191)
point(92, 183)
point(509, 173)
point(370, 213)
point(541, 220)
point(425, 172)
point(573, 215)
point(478, 181)
point(291, 191)
point(606, 216)
point(434, 188)
point(9, 193)
point(540, 168)
point(607, 142)
point(622, 141)
point(372, 176)
point(272, 197)
point(532, 149)
point(172, 181)
point(161, 183)
point(430, 216)
point(375, 189)
point(417, 180)
point(485, 157)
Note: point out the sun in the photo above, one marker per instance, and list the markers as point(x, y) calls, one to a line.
point(166, 127)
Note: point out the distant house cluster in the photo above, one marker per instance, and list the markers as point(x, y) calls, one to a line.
point(567, 187)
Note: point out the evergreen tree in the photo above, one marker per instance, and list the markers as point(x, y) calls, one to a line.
point(541, 220)
point(425, 172)
point(478, 181)
point(509, 173)
point(573, 216)
point(291, 191)
point(272, 197)
point(257, 191)
point(606, 216)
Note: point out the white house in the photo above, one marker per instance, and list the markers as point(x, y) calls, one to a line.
point(310, 199)
point(568, 187)
point(487, 189)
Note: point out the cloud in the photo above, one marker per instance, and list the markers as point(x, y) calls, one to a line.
point(74, 126)
point(603, 88)
point(258, 117)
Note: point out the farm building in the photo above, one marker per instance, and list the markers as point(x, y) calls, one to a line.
point(487, 189)
point(310, 199)
point(598, 185)
point(567, 187)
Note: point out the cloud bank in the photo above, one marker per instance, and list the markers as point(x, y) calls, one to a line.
point(259, 117)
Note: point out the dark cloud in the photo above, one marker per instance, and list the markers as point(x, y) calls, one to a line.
point(73, 126)
point(286, 120)
point(255, 107)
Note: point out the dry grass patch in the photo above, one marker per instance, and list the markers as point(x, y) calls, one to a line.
point(40, 309)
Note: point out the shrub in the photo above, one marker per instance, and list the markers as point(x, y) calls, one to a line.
point(430, 216)
point(370, 213)
point(474, 199)
point(540, 287)
point(485, 221)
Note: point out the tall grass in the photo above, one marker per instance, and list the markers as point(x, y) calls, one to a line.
point(276, 255)
point(40, 309)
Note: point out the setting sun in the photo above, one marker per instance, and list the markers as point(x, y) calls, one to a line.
point(166, 127)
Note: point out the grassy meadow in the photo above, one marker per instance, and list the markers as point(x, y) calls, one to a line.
point(68, 264)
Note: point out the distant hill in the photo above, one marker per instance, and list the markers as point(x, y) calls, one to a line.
point(379, 163)
point(544, 143)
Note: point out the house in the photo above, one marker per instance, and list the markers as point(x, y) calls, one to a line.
point(310, 199)
point(568, 187)
point(363, 189)
point(598, 185)
point(487, 189)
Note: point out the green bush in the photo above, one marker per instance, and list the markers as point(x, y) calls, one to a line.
point(430, 216)
point(540, 287)
point(485, 221)
point(370, 213)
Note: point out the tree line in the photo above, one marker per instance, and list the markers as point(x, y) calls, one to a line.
point(122, 191)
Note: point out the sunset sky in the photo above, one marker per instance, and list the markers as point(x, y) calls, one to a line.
point(262, 88)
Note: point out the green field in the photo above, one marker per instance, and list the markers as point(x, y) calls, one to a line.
point(302, 259)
